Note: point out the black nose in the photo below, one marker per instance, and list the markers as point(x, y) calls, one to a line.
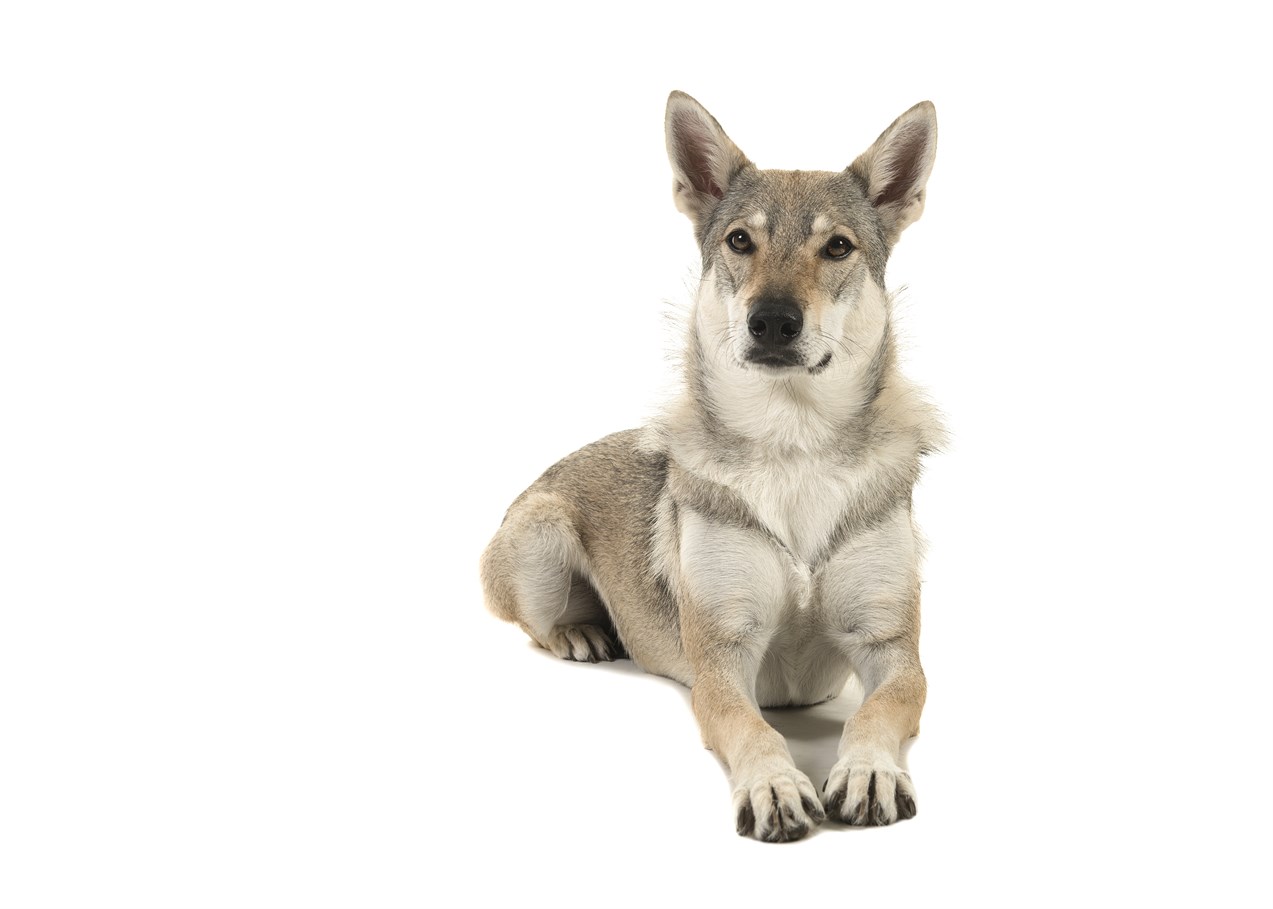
point(775, 323)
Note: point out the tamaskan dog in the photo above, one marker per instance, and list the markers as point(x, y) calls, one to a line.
point(755, 541)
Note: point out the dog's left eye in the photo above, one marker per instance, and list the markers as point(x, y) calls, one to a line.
point(739, 241)
point(837, 248)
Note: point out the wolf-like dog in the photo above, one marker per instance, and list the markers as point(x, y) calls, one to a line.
point(755, 542)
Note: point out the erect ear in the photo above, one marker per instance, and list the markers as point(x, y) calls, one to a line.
point(704, 160)
point(897, 166)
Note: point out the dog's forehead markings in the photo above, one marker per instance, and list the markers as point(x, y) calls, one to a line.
point(820, 224)
point(757, 220)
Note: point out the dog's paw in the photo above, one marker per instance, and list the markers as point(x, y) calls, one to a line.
point(777, 807)
point(869, 793)
point(583, 643)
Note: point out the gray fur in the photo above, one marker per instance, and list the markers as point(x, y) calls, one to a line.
point(606, 494)
point(792, 199)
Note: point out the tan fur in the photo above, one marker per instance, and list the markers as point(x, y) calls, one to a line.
point(756, 542)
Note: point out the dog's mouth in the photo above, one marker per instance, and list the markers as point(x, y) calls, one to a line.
point(786, 360)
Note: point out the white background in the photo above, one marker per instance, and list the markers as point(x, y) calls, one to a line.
point(297, 298)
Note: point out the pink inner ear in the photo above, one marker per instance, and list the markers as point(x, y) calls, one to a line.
point(904, 166)
point(694, 152)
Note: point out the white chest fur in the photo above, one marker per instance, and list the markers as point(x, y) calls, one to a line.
point(792, 467)
point(800, 498)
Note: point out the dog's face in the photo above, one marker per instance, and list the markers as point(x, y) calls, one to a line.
point(787, 254)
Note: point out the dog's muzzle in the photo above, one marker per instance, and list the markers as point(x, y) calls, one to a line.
point(774, 325)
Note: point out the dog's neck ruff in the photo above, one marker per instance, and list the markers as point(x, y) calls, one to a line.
point(752, 409)
point(805, 457)
point(805, 454)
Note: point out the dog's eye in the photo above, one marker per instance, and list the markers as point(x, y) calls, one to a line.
point(739, 241)
point(837, 248)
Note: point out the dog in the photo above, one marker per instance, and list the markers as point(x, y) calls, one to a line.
point(755, 541)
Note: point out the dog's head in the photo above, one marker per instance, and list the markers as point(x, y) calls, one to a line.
point(787, 254)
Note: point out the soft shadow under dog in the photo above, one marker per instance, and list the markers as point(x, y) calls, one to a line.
point(812, 733)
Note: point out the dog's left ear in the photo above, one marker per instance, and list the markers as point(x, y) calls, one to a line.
point(896, 168)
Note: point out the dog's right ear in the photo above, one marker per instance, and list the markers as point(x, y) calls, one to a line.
point(704, 160)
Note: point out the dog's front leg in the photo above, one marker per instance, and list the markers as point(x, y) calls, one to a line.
point(870, 594)
point(735, 587)
point(868, 786)
point(773, 801)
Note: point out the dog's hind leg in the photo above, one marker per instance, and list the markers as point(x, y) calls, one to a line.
point(533, 575)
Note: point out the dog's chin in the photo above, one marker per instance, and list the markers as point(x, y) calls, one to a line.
point(784, 363)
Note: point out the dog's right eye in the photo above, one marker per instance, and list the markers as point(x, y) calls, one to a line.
point(739, 241)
